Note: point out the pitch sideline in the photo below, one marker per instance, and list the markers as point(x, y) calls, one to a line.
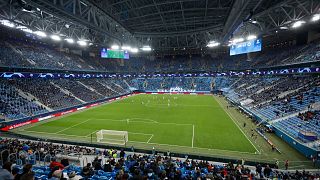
point(231, 117)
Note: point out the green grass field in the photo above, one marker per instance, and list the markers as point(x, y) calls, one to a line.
point(170, 120)
point(191, 124)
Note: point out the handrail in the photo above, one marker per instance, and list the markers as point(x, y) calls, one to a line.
point(15, 155)
point(39, 156)
point(1, 155)
point(45, 158)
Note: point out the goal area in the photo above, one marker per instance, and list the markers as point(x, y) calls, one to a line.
point(112, 137)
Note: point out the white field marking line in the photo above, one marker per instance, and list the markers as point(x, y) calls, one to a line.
point(39, 132)
point(116, 130)
point(80, 111)
point(150, 138)
point(192, 134)
point(73, 126)
point(173, 104)
point(144, 142)
point(147, 122)
point(231, 117)
point(183, 147)
point(139, 133)
point(144, 119)
point(295, 167)
point(92, 133)
point(150, 143)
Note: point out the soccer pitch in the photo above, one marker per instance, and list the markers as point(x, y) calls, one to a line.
point(180, 121)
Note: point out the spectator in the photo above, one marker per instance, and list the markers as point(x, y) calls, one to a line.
point(15, 171)
point(28, 176)
point(5, 171)
point(25, 170)
point(286, 164)
point(87, 171)
point(57, 175)
point(54, 163)
point(122, 153)
point(73, 176)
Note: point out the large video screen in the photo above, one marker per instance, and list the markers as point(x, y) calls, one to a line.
point(114, 54)
point(246, 47)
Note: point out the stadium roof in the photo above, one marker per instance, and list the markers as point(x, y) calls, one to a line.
point(162, 24)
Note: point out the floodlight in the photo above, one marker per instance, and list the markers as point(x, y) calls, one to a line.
point(55, 37)
point(40, 33)
point(115, 47)
point(315, 17)
point(213, 44)
point(237, 40)
point(70, 40)
point(134, 50)
point(27, 30)
point(146, 48)
point(251, 37)
point(126, 48)
point(82, 43)
point(7, 23)
point(297, 24)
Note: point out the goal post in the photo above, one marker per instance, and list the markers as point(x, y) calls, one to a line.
point(112, 137)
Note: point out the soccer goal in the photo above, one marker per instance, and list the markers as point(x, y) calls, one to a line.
point(112, 137)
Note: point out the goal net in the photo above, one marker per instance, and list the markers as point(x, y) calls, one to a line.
point(112, 137)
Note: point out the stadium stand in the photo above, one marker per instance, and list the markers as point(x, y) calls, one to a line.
point(14, 106)
point(117, 164)
point(287, 104)
point(30, 53)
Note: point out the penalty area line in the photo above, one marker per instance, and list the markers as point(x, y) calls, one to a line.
point(73, 126)
point(150, 138)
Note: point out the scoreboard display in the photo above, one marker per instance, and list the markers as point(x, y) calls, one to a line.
point(246, 47)
point(114, 54)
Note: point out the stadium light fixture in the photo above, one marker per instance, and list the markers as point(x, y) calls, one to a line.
point(27, 30)
point(114, 47)
point(55, 37)
point(21, 27)
point(146, 48)
point(82, 43)
point(315, 17)
point(237, 40)
point(284, 27)
point(297, 24)
point(40, 33)
point(69, 40)
point(128, 48)
point(7, 23)
point(134, 50)
point(251, 37)
point(213, 44)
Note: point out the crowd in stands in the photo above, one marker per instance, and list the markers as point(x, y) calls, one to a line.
point(309, 115)
point(20, 51)
point(113, 164)
point(21, 98)
point(45, 92)
point(167, 83)
point(288, 102)
point(14, 105)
